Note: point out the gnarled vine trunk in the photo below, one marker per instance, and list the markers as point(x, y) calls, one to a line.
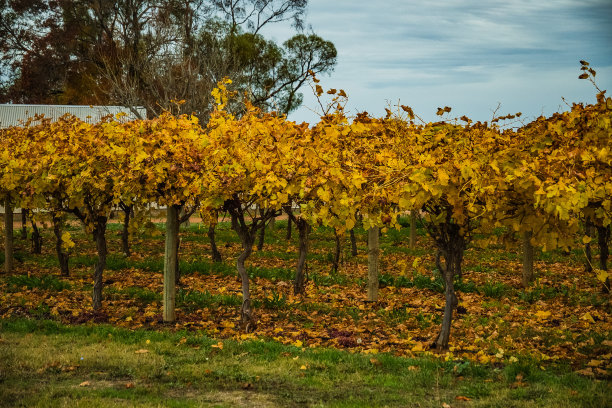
point(353, 242)
point(62, 257)
point(99, 236)
point(299, 284)
point(37, 239)
point(125, 232)
point(247, 238)
point(216, 255)
point(451, 244)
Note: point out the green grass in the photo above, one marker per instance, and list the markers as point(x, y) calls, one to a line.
point(192, 300)
point(49, 364)
point(52, 282)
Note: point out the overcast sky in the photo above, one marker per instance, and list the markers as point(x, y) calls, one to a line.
point(469, 55)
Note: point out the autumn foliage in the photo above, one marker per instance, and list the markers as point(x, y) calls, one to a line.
point(462, 179)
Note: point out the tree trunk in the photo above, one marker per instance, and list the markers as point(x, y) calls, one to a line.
point(413, 221)
point(353, 242)
point(373, 263)
point(299, 285)
point(62, 257)
point(216, 255)
point(336, 261)
point(24, 223)
point(288, 236)
point(528, 252)
point(8, 236)
point(452, 245)
point(125, 233)
point(99, 235)
point(588, 230)
point(170, 258)
point(36, 236)
point(603, 236)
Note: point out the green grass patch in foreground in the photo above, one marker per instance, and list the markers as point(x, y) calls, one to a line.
point(48, 364)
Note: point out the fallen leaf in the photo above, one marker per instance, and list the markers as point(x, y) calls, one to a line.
point(375, 362)
point(129, 385)
point(462, 398)
point(141, 351)
point(587, 317)
point(303, 367)
point(85, 384)
point(595, 363)
point(418, 347)
point(587, 372)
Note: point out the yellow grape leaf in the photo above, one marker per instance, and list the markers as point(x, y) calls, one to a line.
point(67, 242)
point(297, 343)
point(323, 194)
point(443, 177)
point(586, 239)
point(303, 367)
point(602, 275)
point(418, 347)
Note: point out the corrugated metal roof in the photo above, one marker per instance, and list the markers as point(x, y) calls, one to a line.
point(15, 115)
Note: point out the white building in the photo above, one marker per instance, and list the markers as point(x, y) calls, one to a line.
point(15, 115)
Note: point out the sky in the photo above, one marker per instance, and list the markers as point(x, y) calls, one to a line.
point(474, 56)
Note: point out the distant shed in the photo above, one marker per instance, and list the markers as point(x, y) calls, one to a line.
point(15, 115)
